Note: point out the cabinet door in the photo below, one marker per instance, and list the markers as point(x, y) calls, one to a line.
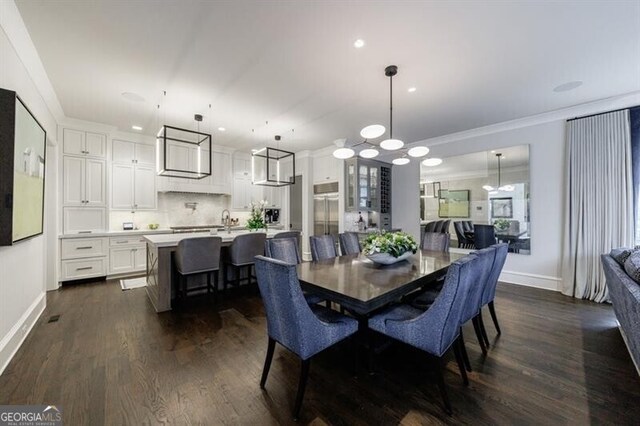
point(95, 182)
point(123, 151)
point(221, 168)
point(256, 192)
point(144, 188)
point(242, 167)
point(325, 169)
point(363, 187)
point(73, 171)
point(145, 154)
point(351, 186)
point(73, 142)
point(77, 220)
point(273, 195)
point(121, 260)
point(374, 188)
point(95, 145)
point(122, 178)
point(240, 196)
point(140, 258)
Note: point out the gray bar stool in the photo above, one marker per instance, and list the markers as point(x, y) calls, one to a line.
point(196, 256)
point(240, 255)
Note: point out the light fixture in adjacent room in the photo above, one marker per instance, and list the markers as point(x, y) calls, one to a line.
point(432, 162)
point(342, 152)
point(221, 129)
point(494, 190)
point(273, 166)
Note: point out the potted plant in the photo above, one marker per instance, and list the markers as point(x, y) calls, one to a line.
point(256, 219)
point(501, 225)
point(386, 248)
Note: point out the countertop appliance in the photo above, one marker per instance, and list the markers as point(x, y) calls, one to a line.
point(272, 216)
point(325, 209)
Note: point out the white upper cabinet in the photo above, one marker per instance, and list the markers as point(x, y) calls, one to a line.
point(122, 186)
point(144, 188)
point(133, 176)
point(326, 168)
point(131, 152)
point(88, 144)
point(145, 154)
point(84, 182)
point(95, 182)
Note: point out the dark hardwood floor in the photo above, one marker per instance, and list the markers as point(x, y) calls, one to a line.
point(111, 360)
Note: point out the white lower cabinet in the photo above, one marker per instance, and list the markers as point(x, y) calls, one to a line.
point(83, 268)
point(83, 258)
point(127, 255)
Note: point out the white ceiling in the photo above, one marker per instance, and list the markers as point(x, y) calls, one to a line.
point(293, 64)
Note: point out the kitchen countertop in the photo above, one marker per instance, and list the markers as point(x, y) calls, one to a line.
point(171, 240)
point(116, 233)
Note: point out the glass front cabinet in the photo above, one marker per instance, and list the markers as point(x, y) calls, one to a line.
point(362, 178)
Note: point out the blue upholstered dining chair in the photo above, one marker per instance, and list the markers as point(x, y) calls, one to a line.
point(286, 250)
point(349, 243)
point(489, 293)
point(290, 234)
point(436, 241)
point(437, 329)
point(322, 247)
point(302, 329)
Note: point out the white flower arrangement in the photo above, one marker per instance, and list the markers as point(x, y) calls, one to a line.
point(256, 220)
point(394, 243)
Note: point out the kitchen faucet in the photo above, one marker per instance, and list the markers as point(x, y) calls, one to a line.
point(226, 221)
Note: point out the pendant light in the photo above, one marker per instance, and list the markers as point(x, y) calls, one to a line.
point(342, 152)
point(432, 162)
point(273, 166)
point(500, 187)
point(391, 144)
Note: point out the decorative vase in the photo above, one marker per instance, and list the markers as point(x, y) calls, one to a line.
point(388, 259)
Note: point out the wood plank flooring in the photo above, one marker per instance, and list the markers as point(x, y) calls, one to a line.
point(111, 360)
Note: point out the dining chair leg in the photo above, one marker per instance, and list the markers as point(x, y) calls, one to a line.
point(209, 287)
point(267, 362)
point(465, 355)
point(458, 353)
point(302, 384)
point(483, 330)
point(225, 278)
point(492, 311)
point(236, 276)
point(443, 387)
point(216, 282)
point(476, 327)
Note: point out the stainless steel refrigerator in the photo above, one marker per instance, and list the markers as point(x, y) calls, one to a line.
point(325, 209)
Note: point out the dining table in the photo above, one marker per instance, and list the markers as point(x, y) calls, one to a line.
point(362, 287)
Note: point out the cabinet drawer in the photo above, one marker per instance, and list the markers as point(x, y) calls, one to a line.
point(84, 268)
point(133, 240)
point(77, 248)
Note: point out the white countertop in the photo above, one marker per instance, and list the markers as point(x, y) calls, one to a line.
point(171, 240)
point(117, 233)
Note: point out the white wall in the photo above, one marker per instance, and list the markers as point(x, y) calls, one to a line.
point(405, 198)
point(22, 267)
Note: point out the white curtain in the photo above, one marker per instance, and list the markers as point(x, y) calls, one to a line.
point(598, 202)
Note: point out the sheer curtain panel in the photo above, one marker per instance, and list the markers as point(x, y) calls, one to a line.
point(599, 200)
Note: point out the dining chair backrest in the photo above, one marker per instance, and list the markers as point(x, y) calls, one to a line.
point(430, 227)
point(436, 241)
point(489, 292)
point(445, 226)
point(284, 249)
point(349, 243)
point(200, 254)
point(439, 225)
point(458, 227)
point(486, 258)
point(287, 234)
point(245, 247)
point(322, 247)
point(437, 328)
point(467, 225)
point(290, 321)
point(484, 236)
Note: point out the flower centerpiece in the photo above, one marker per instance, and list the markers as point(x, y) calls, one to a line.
point(501, 224)
point(256, 220)
point(389, 247)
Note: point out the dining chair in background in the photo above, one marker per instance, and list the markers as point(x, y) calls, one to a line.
point(436, 241)
point(322, 247)
point(437, 329)
point(484, 236)
point(240, 256)
point(196, 256)
point(304, 330)
point(424, 297)
point(291, 234)
point(349, 243)
point(460, 230)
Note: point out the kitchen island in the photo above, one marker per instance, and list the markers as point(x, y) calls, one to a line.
point(160, 270)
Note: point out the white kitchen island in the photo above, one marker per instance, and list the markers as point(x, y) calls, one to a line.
point(160, 269)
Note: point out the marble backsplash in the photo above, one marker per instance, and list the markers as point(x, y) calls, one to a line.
point(173, 212)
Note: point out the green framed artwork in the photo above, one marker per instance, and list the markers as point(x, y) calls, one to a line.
point(453, 203)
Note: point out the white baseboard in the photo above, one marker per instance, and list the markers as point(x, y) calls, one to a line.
point(531, 280)
point(10, 343)
point(624, 337)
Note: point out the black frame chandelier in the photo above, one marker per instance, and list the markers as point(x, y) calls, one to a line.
point(273, 166)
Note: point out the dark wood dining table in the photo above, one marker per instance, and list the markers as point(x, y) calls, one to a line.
point(362, 287)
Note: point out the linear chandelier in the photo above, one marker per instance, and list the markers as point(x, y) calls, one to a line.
point(500, 187)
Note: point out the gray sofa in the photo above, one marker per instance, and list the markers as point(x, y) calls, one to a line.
point(625, 296)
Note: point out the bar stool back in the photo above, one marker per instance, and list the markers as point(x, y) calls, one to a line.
point(194, 256)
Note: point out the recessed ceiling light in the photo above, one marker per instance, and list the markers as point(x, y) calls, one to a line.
point(136, 127)
point(400, 161)
point(431, 162)
point(411, 89)
point(358, 43)
point(133, 97)
point(373, 131)
point(567, 86)
point(222, 129)
point(418, 151)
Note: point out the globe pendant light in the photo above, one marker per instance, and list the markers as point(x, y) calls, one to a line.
point(418, 151)
point(391, 144)
point(401, 161)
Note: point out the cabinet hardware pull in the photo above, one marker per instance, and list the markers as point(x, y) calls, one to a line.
point(122, 242)
point(85, 268)
point(84, 232)
point(84, 248)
